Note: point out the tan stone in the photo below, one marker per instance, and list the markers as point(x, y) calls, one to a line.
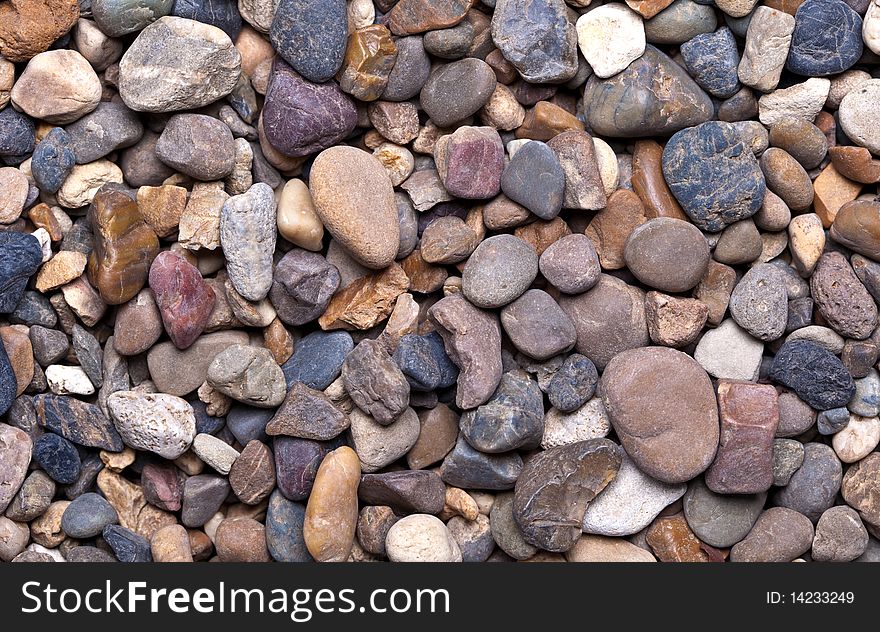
point(81, 186)
point(610, 228)
point(546, 120)
point(85, 301)
point(278, 341)
point(648, 8)
point(117, 461)
point(855, 163)
point(199, 226)
point(42, 216)
point(61, 269)
point(7, 79)
point(458, 502)
point(18, 347)
point(540, 234)
point(132, 508)
point(46, 530)
point(806, 241)
point(600, 548)
point(832, 191)
point(58, 86)
point(367, 301)
point(298, 222)
point(28, 27)
point(254, 48)
point(332, 509)
point(171, 544)
point(404, 320)
point(714, 290)
point(398, 161)
point(162, 207)
point(13, 194)
point(502, 110)
point(674, 321)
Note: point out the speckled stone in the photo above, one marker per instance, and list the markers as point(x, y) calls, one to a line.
point(53, 160)
point(470, 162)
point(58, 457)
point(456, 90)
point(712, 60)
point(20, 257)
point(841, 298)
point(499, 270)
point(759, 303)
point(827, 38)
point(817, 376)
point(712, 174)
point(311, 35)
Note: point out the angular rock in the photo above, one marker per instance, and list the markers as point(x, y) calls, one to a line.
point(182, 297)
point(817, 376)
point(512, 419)
point(307, 414)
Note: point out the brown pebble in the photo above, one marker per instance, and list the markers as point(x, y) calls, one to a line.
point(715, 288)
point(649, 184)
point(437, 437)
point(672, 540)
point(171, 544)
point(787, 178)
point(546, 120)
point(855, 163)
point(674, 321)
point(832, 191)
point(332, 509)
point(540, 234)
point(252, 476)
point(241, 540)
point(365, 302)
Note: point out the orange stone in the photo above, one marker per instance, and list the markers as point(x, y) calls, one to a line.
point(546, 120)
point(369, 58)
point(648, 182)
point(648, 8)
point(672, 540)
point(424, 277)
point(162, 207)
point(855, 163)
point(611, 227)
point(788, 6)
point(365, 302)
point(832, 191)
point(64, 267)
point(857, 226)
point(42, 216)
point(28, 27)
point(278, 341)
point(541, 235)
point(21, 354)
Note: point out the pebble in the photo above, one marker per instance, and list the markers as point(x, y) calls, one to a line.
point(58, 457)
point(196, 64)
point(82, 423)
point(241, 539)
point(573, 383)
point(14, 537)
point(300, 117)
point(16, 456)
point(87, 516)
point(58, 87)
point(127, 545)
point(20, 257)
point(538, 40)
point(855, 227)
point(366, 301)
point(203, 494)
point(779, 535)
point(284, 530)
point(597, 548)
point(829, 422)
point(840, 536)
point(712, 59)
point(610, 38)
point(15, 190)
point(296, 463)
point(469, 469)
point(650, 388)
point(535, 179)
point(667, 254)
point(437, 437)
point(859, 488)
point(317, 359)
point(571, 264)
point(537, 326)
point(424, 362)
point(297, 221)
point(474, 538)
point(308, 414)
point(362, 214)
point(249, 375)
point(609, 319)
point(511, 419)
point(181, 372)
point(759, 303)
point(30, 28)
point(858, 439)
point(506, 531)
point(788, 456)
point(171, 544)
point(421, 538)
point(817, 376)
point(749, 415)
point(457, 90)
point(720, 520)
point(378, 445)
point(197, 145)
point(410, 71)
point(68, 380)
point(405, 492)
point(311, 36)
point(302, 286)
point(375, 383)
point(802, 100)
point(162, 486)
point(827, 38)
point(332, 510)
point(866, 400)
point(183, 299)
point(16, 133)
point(248, 234)
point(470, 162)
point(629, 503)
point(841, 298)
point(674, 322)
point(33, 497)
point(214, 452)
point(671, 540)
point(252, 473)
point(628, 104)
point(815, 484)
point(171, 423)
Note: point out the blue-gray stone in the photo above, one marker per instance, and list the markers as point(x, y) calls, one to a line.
point(410, 72)
point(534, 178)
point(713, 175)
point(89, 353)
point(109, 127)
point(8, 383)
point(424, 362)
point(127, 545)
point(512, 419)
point(827, 38)
point(816, 375)
point(220, 13)
point(311, 36)
point(17, 134)
point(573, 384)
point(832, 421)
point(121, 17)
point(469, 469)
point(20, 256)
point(58, 457)
point(34, 309)
point(88, 476)
point(87, 516)
point(284, 530)
point(317, 359)
point(814, 485)
point(53, 160)
point(712, 59)
point(205, 423)
point(247, 423)
point(203, 495)
point(537, 38)
point(77, 421)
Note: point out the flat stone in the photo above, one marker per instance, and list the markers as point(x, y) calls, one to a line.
point(247, 233)
point(609, 102)
point(640, 389)
point(317, 359)
point(180, 372)
point(214, 452)
point(437, 436)
point(457, 90)
point(405, 492)
point(470, 162)
point(749, 415)
point(203, 495)
point(367, 301)
point(538, 40)
point(818, 377)
point(310, 35)
point(408, 17)
point(513, 417)
point(779, 535)
point(667, 254)
point(712, 175)
point(196, 65)
point(815, 484)
point(720, 520)
point(77, 421)
point(576, 472)
point(473, 342)
point(590, 421)
point(58, 457)
point(609, 319)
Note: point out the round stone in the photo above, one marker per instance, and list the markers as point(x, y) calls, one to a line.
point(827, 38)
point(537, 326)
point(311, 36)
point(720, 520)
point(856, 114)
point(500, 269)
point(779, 535)
point(455, 91)
point(87, 516)
point(610, 37)
point(840, 536)
point(58, 87)
point(534, 179)
point(759, 303)
point(814, 486)
point(199, 146)
point(573, 383)
point(663, 408)
point(667, 254)
point(421, 538)
point(571, 264)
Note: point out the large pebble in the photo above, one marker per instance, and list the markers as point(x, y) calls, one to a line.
point(155, 422)
point(469, 469)
point(610, 38)
point(817, 376)
point(535, 179)
point(20, 256)
point(302, 286)
point(58, 87)
point(667, 254)
point(378, 445)
point(457, 90)
point(513, 418)
point(248, 233)
point(720, 520)
point(779, 535)
point(311, 35)
point(537, 326)
point(814, 486)
point(827, 38)
point(184, 300)
point(332, 511)
point(841, 298)
point(421, 538)
point(375, 383)
point(663, 408)
point(15, 456)
point(249, 375)
point(759, 303)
